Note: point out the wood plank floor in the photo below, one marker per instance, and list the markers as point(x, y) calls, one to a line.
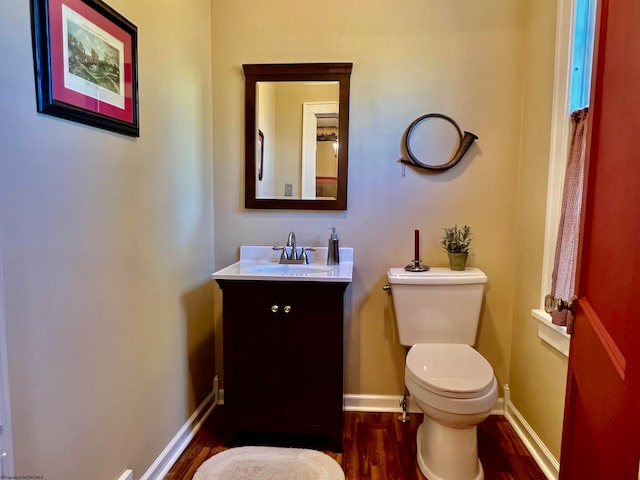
point(378, 447)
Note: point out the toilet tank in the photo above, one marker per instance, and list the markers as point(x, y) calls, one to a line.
point(437, 306)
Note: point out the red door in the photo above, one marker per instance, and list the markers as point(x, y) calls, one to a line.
point(601, 434)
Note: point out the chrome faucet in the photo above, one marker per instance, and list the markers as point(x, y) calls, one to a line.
point(291, 243)
point(290, 251)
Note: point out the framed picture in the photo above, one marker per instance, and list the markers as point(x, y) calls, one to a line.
point(86, 67)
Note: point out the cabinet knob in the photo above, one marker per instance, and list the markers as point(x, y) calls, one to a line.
point(287, 308)
point(275, 308)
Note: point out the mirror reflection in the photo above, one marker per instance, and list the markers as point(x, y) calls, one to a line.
point(296, 132)
point(297, 148)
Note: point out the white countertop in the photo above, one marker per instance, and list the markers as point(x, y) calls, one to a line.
point(262, 263)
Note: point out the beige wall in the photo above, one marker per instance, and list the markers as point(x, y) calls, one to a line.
point(538, 371)
point(107, 244)
point(464, 59)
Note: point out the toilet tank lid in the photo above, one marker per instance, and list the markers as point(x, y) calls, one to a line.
point(436, 276)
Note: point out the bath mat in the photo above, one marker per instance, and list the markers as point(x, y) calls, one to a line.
point(269, 463)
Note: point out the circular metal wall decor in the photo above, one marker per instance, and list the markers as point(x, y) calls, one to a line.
point(464, 142)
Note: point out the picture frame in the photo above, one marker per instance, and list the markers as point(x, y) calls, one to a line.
point(85, 62)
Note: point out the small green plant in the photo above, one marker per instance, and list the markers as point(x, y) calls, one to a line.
point(457, 239)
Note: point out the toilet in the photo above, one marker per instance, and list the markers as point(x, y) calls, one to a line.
point(437, 312)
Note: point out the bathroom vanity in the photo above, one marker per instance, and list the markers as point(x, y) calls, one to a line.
point(283, 348)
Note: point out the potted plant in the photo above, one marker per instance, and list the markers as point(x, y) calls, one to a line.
point(456, 241)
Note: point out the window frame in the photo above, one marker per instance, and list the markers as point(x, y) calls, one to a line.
point(555, 335)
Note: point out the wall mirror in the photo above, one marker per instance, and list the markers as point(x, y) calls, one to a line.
point(297, 135)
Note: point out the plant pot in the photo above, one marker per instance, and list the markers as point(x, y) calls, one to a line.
point(457, 261)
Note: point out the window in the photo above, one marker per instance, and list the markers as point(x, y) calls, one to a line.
point(582, 54)
point(572, 82)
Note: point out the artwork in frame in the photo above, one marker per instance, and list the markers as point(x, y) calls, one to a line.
point(85, 59)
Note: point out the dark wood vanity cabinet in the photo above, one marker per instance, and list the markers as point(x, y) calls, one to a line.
point(283, 358)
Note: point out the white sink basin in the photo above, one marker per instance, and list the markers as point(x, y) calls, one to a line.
point(261, 263)
point(289, 269)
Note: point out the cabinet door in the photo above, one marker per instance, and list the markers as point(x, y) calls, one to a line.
point(312, 356)
point(252, 360)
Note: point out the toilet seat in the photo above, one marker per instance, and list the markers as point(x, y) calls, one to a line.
point(450, 370)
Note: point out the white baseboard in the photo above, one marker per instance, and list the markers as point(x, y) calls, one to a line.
point(376, 403)
point(126, 475)
point(180, 441)
point(538, 450)
point(391, 403)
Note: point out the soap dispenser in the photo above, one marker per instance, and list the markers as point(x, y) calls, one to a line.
point(333, 252)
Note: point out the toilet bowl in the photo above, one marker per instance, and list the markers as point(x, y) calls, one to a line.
point(456, 389)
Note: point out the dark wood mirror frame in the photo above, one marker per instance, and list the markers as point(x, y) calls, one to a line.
point(296, 72)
